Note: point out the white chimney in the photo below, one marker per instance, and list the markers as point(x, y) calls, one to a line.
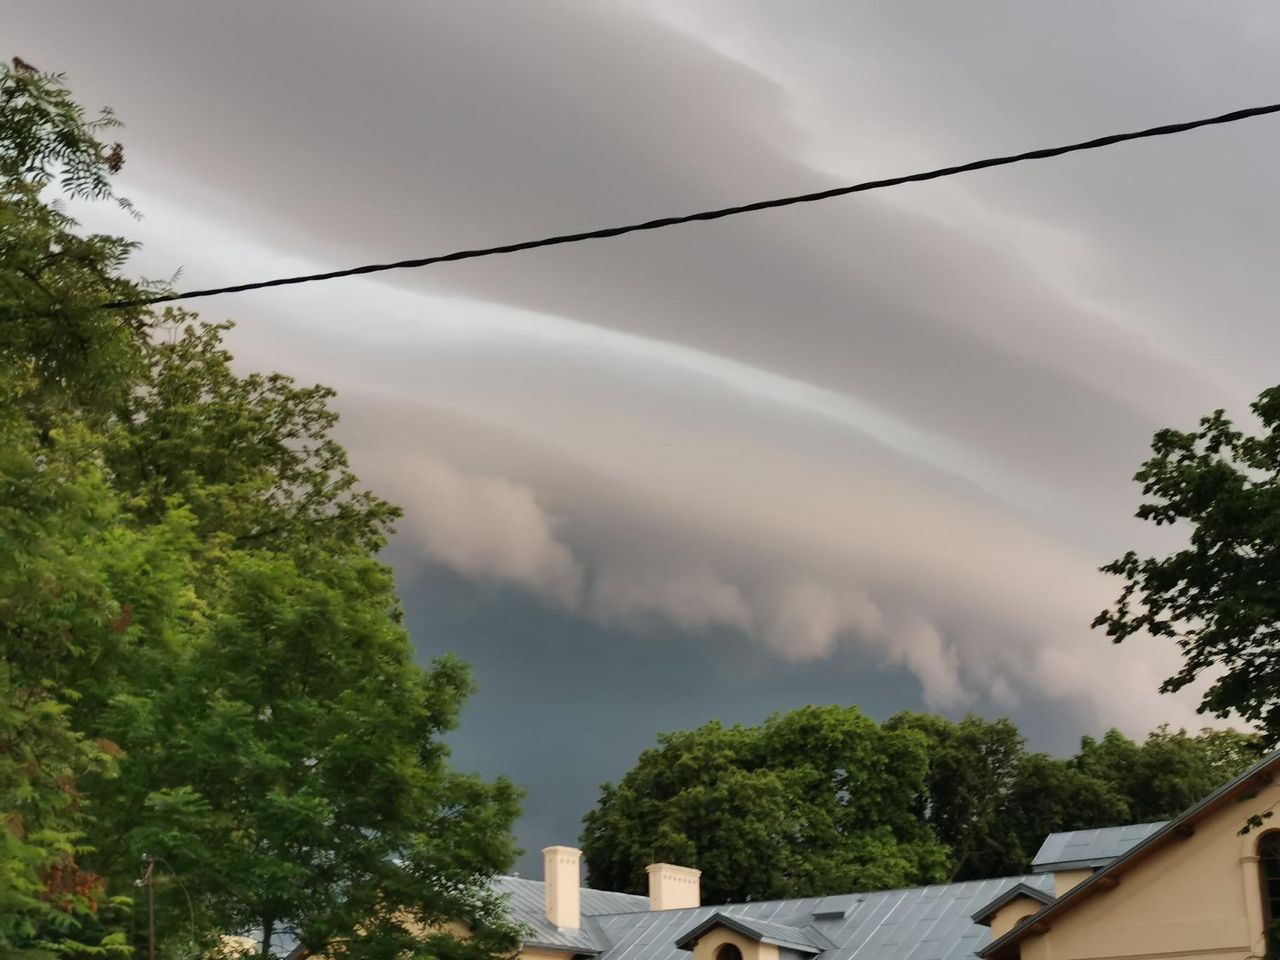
point(560, 876)
point(673, 888)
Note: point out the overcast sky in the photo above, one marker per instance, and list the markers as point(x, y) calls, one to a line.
point(870, 451)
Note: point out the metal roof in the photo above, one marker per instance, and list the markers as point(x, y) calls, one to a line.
point(527, 903)
point(1078, 849)
point(921, 923)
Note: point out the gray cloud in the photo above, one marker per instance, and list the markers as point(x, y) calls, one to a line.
point(485, 525)
point(896, 429)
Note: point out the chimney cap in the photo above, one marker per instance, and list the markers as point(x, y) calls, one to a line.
point(673, 868)
point(561, 849)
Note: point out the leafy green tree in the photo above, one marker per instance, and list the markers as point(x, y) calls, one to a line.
point(252, 456)
point(63, 366)
point(1217, 598)
point(201, 658)
point(992, 802)
point(811, 802)
point(1050, 795)
point(290, 769)
point(1169, 771)
point(822, 800)
point(974, 766)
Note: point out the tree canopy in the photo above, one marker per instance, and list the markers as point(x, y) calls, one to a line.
point(992, 801)
point(202, 660)
point(824, 800)
point(1217, 598)
point(809, 802)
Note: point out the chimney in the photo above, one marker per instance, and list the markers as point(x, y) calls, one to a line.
point(560, 876)
point(672, 887)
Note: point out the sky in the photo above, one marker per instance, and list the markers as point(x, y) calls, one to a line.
point(870, 451)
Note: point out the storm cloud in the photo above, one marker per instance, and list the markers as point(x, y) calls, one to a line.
point(895, 431)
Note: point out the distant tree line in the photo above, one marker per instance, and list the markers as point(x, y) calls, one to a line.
point(825, 800)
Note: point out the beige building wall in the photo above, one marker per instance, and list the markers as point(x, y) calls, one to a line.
point(1008, 916)
point(1064, 880)
point(1198, 898)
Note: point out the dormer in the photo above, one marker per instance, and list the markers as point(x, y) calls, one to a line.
point(725, 936)
point(1074, 856)
point(1006, 911)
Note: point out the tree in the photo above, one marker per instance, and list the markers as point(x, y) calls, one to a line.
point(974, 766)
point(62, 367)
point(290, 768)
point(201, 656)
point(1169, 771)
point(811, 802)
point(1218, 598)
point(992, 802)
point(822, 800)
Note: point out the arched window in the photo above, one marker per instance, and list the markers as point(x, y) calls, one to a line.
point(728, 951)
point(1269, 867)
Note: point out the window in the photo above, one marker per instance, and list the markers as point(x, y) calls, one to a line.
point(1269, 866)
point(728, 951)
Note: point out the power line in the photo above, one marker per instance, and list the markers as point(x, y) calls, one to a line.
point(719, 214)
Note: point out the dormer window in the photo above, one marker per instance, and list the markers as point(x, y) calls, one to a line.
point(728, 951)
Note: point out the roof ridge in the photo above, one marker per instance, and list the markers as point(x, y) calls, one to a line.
point(1022, 877)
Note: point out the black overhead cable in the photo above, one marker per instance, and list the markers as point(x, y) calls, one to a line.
point(1043, 154)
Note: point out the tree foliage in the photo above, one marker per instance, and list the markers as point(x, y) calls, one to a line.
point(810, 802)
point(992, 802)
point(1218, 598)
point(824, 800)
point(201, 658)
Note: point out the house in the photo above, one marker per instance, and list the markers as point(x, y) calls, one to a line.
point(1195, 887)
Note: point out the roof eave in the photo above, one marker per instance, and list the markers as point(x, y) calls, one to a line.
point(1072, 865)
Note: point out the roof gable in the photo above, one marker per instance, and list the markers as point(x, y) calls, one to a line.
point(801, 939)
point(984, 913)
point(1182, 826)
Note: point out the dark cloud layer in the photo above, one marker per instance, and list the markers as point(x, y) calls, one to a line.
point(615, 693)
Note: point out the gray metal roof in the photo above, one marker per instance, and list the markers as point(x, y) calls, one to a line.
point(1078, 849)
point(922, 923)
point(527, 903)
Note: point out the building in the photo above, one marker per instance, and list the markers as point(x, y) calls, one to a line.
point(1203, 886)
